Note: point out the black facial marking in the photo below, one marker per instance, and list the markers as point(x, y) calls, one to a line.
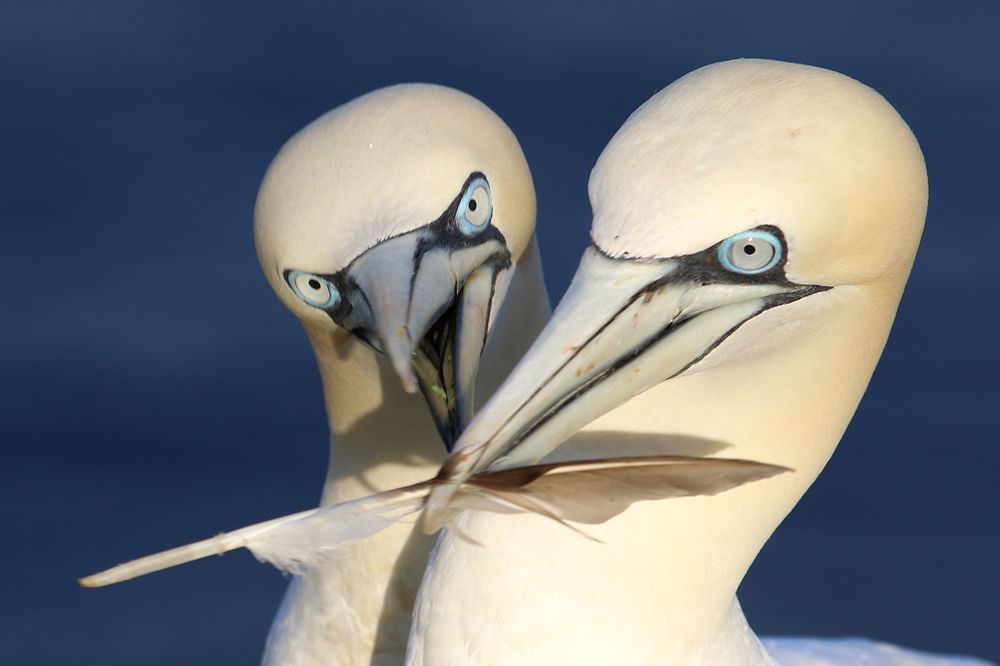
point(770, 302)
point(444, 232)
point(700, 267)
point(440, 233)
point(353, 310)
point(704, 266)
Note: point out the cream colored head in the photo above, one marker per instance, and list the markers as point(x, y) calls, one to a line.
point(754, 223)
point(746, 143)
point(357, 224)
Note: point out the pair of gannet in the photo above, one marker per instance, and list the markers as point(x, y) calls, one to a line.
point(754, 225)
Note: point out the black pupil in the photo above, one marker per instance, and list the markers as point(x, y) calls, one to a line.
point(749, 249)
point(472, 204)
point(314, 283)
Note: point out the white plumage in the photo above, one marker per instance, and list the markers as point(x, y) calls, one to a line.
point(754, 226)
point(680, 337)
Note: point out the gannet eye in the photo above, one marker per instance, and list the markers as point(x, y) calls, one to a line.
point(314, 290)
point(475, 209)
point(749, 252)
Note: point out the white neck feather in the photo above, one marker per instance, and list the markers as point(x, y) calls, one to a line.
point(356, 609)
point(661, 588)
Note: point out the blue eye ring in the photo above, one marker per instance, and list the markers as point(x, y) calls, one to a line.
point(745, 252)
point(475, 209)
point(314, 290)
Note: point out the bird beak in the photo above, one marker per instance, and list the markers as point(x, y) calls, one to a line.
point(623, 326)
point(426, 303)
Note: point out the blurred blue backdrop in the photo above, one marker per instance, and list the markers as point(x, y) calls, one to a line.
point(154, 391)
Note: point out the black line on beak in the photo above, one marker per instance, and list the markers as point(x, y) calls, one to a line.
point(354, 312)
point(702, 268)
point(672, 327)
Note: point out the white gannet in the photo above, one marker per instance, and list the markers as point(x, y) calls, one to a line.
point(402, 218)
point(754, 225)
point(395, 223)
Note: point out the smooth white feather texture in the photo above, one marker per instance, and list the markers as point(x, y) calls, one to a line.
point(856, 652)
point(299, 544)
point(217, 545)
point(291, 543)
point(584, 492)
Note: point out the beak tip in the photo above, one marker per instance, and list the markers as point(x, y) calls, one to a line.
point(400, 353)
point(406, 377)
point(404, 370)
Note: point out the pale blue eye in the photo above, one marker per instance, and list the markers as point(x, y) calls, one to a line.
point(475, 209)
point(315, 290)
point(750, 252)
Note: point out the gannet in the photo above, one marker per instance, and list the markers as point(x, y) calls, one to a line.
point(754, 226)
point(399, 229)
point(396, 222)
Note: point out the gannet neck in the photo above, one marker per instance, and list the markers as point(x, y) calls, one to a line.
point(662, 588)
point(353, 606)
point(356, 609)
point(371, 419)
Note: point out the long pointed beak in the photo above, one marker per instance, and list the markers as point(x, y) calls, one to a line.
point(427, 307)
point(623, 327)
point(381, 303)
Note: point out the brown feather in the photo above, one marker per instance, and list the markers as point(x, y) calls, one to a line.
point(594, 491)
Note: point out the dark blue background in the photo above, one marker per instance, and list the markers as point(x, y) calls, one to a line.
point(154, 391)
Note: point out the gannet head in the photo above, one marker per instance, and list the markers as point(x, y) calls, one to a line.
point(397, 217)
point(743, 189)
